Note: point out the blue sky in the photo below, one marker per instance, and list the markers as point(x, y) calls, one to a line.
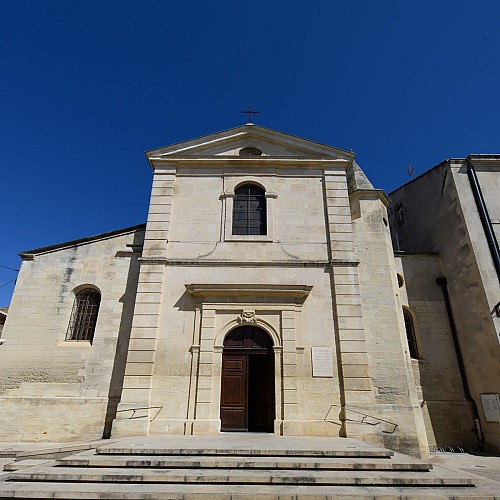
point(87, 86)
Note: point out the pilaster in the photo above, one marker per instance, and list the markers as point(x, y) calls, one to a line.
point(340, 232)
point(193, 383)
point(134, 410)
point(207, 397)
point(356, 387)
point(289, 360)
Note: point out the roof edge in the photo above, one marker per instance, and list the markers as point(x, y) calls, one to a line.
point(423, 174)
point(249, 126)
point(29, 254)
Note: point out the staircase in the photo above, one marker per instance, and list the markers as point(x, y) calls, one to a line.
point(235, 466)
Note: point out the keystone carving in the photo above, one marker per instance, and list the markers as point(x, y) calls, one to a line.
point(248, 316)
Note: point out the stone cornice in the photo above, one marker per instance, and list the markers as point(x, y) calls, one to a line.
point(157, 162)
point(273, 293)
point(484, 161)
point(370, 194)
point(240, 263)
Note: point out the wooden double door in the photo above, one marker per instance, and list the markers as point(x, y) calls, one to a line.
point(247, 389)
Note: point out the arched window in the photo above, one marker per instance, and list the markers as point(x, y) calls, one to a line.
point(410, 334)
point(249, 210)
point(250, 152)
point(84, 315)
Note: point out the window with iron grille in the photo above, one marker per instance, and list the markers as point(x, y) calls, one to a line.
point(410, 334)
point(84, 315)
point(249, 210)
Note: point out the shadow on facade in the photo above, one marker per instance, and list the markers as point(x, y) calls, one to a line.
point(120, 360)
point(448, 415)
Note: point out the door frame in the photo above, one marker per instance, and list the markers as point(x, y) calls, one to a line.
point(218, 309)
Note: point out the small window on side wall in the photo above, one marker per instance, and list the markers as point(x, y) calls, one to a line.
point(84, 315)
point(410, 334)
point(249, 211)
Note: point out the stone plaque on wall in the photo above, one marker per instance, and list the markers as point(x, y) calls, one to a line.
point(322, 362)
point(491, 407)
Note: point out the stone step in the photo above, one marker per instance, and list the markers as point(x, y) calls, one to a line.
point(246, 452)
point(90, 459)
point(22, 451)
point(92, 491)
point(241, 476)
point(247, 446)
point(25, 464)
point(3, 463)
point(243, 451)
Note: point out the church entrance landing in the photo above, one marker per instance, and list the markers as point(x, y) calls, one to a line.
point(247, 388)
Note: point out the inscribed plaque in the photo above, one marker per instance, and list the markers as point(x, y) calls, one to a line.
point(322, 362)
point(491, 407)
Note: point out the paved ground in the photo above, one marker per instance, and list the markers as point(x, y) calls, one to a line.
point(484, 467)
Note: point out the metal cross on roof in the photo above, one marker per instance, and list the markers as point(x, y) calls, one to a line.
point(250, 113)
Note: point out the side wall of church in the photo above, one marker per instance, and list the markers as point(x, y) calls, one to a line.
point(58, 390)
point(395, 390)
point(439, 215)
point(449, 417)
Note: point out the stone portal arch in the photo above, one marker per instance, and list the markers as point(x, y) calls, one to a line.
point(236, 323)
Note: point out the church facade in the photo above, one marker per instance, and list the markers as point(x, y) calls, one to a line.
point(264, 294)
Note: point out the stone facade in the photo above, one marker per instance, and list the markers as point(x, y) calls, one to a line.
point(320, 283)
point(53, 389)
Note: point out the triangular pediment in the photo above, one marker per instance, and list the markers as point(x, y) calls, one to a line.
point(230, 143)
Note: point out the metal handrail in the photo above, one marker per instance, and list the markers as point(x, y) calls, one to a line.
point(363, 420)
point(134, 410)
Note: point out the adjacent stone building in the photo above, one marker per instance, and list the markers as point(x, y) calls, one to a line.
point(453, 211)
point(264, 295)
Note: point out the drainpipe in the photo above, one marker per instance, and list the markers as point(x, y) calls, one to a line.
point(485, 218)
point(443, 283)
